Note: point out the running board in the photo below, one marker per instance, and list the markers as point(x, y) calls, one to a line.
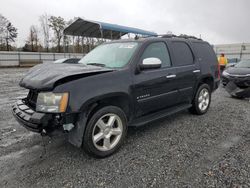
point(158, 115)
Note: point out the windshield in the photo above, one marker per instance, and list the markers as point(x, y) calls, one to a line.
point(243, 64)
point(111, 55)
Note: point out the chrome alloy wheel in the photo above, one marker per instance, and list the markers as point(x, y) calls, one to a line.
point(107, 132)
point(203, 100)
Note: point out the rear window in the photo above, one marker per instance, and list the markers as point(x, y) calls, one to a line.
point(182, 53)
point(205, 52)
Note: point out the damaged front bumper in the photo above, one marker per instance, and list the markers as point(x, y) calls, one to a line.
point(30, 119)
point(40, 122)
point(237, 86)
point(236, 91)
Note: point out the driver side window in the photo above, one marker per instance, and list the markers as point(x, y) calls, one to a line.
point(158, 50)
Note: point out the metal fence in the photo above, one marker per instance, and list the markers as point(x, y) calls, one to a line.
point(12, 59)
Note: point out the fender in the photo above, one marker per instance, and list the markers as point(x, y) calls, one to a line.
point(75, 136)
point(107, 96)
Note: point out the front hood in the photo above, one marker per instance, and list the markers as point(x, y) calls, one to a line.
point(238, 71)
point(44, 76)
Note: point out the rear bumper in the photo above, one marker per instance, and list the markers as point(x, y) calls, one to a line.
point(30, 119)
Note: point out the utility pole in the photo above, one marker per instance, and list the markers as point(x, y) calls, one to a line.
point(243, 47)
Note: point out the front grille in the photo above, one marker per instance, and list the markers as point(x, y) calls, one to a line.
point(31, 99)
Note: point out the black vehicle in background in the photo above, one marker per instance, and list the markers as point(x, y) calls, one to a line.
point(118, 84)
point(68, 60)
point(237, 79)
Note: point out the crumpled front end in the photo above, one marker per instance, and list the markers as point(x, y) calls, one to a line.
point(237, 91)
point(24, 110)
point(30, 119)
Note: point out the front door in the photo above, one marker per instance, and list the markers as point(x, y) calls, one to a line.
point(155, 89)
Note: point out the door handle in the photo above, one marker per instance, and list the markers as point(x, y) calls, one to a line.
point(196, 71)
point(171, 76)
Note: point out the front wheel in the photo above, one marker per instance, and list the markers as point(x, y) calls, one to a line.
point(105, 131)
point(201, 100)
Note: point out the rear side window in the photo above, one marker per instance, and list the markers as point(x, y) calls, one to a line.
point(158, 50)
point(182, 53)
point(205, 53)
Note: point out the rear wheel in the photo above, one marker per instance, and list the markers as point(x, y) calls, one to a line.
point(202, 100)
point(105, 131)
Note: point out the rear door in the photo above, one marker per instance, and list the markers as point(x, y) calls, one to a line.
point(207, 58)
point(187, 69)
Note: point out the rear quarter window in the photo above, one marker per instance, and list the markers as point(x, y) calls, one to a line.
point(205, 52)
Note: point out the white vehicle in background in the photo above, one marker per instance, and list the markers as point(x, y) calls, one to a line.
point(67, 60)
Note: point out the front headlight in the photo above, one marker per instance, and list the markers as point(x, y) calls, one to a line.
point(224, 73)
point(52, 102)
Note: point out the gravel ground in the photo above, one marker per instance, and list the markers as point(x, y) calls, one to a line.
point(183, 150)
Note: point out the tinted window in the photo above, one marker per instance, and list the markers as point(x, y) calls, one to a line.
point(182, 53)
point(158, 50)
point(205, 52)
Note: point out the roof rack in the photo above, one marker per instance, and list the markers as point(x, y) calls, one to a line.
point(167, 36)
point(184, 36)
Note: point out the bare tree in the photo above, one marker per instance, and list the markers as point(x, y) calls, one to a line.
point(57, 24)
point(33, 38)
point(44, 21)
point(70, 40)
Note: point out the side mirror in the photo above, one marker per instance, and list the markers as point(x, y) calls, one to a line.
point(150, 63)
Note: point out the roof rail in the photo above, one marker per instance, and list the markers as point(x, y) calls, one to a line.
point(167, 36)
point(184, 36)
point(188, 37)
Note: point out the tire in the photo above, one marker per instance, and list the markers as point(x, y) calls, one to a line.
point(202, 100)
point(105, 132)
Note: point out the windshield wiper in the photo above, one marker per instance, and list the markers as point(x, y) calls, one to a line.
point(97, 64)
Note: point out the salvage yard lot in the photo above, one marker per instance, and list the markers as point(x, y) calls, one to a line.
point(183, 150)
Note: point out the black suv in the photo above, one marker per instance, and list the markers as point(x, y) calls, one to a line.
point(118, 84)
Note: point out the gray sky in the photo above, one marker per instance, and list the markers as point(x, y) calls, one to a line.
point(217, 21)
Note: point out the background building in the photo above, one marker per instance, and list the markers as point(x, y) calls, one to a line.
point(240, 51)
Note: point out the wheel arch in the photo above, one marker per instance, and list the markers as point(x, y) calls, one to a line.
point(119, 99)
point(206, 79)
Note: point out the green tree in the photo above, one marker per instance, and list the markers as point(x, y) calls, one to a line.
point(57, 24)
point(8, 33)
point(11, 35)
point(3, 23)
